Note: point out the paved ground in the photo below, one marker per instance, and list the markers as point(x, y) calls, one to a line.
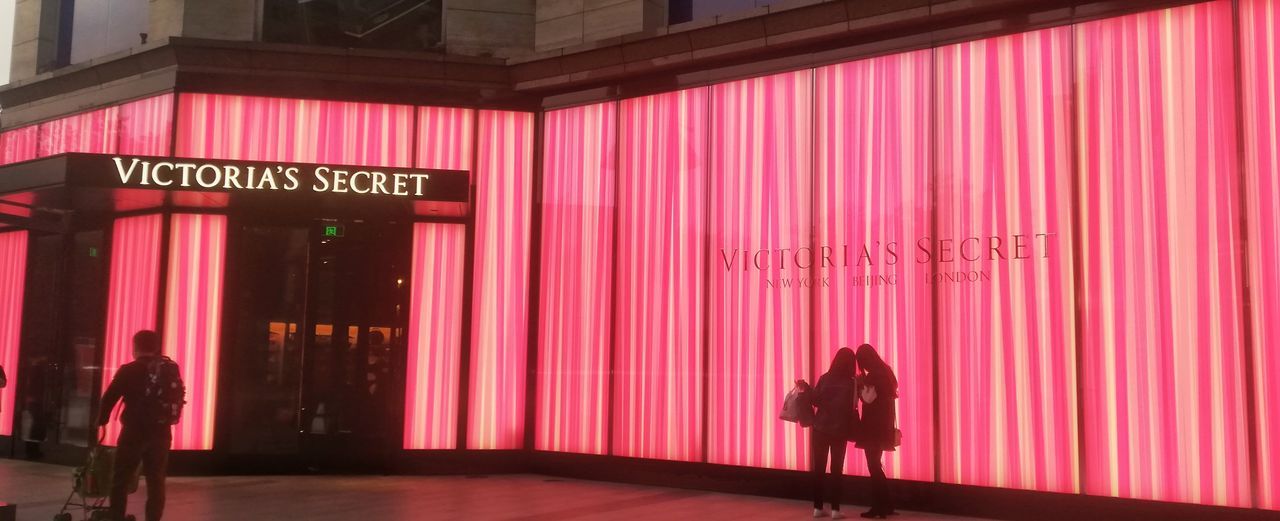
point(39, 490)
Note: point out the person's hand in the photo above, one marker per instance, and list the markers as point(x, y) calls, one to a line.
point(803, 385)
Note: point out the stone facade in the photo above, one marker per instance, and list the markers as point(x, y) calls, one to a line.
point(565, 23)
point(497, 28)
point(35, 28)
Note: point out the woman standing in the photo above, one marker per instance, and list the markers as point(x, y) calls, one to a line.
point(878, 389)
point(834, 422)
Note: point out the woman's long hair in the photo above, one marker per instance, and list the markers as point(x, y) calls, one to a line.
point(844, 365)
point(876, 367)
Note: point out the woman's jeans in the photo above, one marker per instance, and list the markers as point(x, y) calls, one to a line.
point(821, 445)
point(880, 501)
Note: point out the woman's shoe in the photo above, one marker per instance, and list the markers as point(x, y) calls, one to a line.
point(817, 512)
point(835, 514)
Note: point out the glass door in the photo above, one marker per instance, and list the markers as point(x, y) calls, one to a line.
point(263, 394)
point(353, 377)
point(321, 343)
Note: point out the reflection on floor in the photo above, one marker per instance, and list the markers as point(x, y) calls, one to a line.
point(39, 490)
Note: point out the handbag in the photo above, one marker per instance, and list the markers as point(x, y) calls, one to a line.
point(796, 408)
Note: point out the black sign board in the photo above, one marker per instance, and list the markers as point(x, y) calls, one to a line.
point(265, 177)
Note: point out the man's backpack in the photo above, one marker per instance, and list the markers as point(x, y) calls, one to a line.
point(164, 393)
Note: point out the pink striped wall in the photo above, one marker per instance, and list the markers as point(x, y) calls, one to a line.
point(95, 132)
point(1164, 397)
point(132, 293)
point(13, 276)
point(1260, 67)
point(760, 162)
point(193, 319)
point(219, 126)
point(444, 138)
point(1006, 343)
point(661, 245)
point(373, 134)
point(146, 126)
point(19, 144)
point(435, 337)
point(138, 127)
point(872, 174)
point(500, 292)
point(576, 279)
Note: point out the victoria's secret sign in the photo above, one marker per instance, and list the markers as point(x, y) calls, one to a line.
point(165, 173)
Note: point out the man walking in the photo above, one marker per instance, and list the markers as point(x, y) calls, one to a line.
point(153, 395)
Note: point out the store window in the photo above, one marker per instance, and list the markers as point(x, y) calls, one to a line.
point(102, 27)
point(379, 24)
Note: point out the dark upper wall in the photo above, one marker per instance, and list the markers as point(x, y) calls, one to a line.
point(786, 37)
point(789, 36)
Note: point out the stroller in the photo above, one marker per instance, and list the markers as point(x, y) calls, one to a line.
point(91, 485)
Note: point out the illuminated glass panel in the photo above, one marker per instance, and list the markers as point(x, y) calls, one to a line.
point(576, 279)
point(95, 132)
point(1260, 62)
point(500, 294)
point(872, 204)
point(1164, 402)
point(759, 297)
point(18, 144)
point(662, 179)
point(13, 277)
point(146, 126)
point(435, 336)
point(192, 328)
point(219, 126)
point(444, 138)
point(132, 293)
point(1003, 271)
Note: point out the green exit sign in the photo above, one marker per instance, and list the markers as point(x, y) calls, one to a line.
point(333, 231)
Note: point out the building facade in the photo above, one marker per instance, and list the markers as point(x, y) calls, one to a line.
point(1058, 221)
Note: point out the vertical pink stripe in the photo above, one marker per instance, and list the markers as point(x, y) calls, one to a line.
point(193, 319)
point(759, 303)
point(132, 292)
point(657, 406)
point(146, 126)
point(873, 139)
point(13, 277)
point(1007, 342)
point(445, 138)
point(219, 126)
point(576, 279)
point(1164, 407)
point(19, 144)
point(92, 132)
point(435, 337)
point(1260, 61)
point(500, 294)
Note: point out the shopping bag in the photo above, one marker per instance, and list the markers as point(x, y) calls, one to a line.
point(796, 408)
point(94, 478)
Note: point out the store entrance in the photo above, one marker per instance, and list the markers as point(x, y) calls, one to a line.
point(316, 369)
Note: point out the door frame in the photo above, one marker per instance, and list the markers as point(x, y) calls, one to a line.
point(220, 458)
